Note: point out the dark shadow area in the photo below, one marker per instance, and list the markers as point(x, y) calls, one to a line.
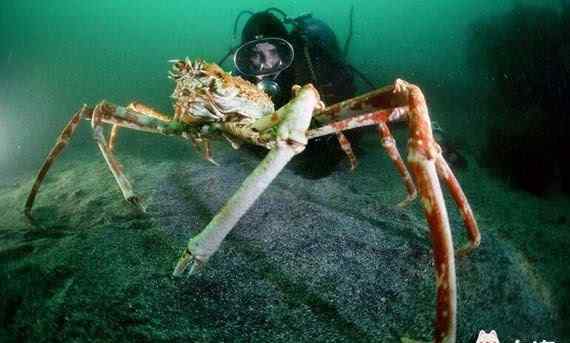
point(527, 55)
point(322, 156)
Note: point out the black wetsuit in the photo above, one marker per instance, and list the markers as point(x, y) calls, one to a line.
point(320, 61)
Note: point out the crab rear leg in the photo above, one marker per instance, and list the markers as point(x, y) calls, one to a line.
point(375, 118)
point(291, 140)
point(347, 148)
point(460, 199)
point(389, 144)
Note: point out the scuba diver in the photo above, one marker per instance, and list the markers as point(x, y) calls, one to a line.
point(275, 58)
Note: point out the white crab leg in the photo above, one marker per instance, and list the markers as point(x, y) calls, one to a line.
point(205, 244)
point(291, 140)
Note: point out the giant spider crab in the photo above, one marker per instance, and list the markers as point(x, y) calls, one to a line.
point(209, 103)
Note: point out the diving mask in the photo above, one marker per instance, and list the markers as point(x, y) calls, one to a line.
point(264, 59)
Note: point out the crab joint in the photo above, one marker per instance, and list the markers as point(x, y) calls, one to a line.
point(267, 121)
point(296, 114)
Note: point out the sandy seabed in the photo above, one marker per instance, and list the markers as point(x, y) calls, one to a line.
point(328, 260)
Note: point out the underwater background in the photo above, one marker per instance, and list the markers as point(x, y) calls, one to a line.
point(315, 260)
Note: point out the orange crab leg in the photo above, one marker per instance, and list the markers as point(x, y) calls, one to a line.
point(114, 165)
point(446, 174)
point(366, 119)
point(142, 109)
point(380, 118)
point(383, 98)
point(405, 101)
point(389, 145)
point(423, 153)
point(347, 148)
point(432, 199)
point(62, 141)
point(106, 113)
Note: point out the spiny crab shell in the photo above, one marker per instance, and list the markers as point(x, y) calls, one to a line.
point(205, 93)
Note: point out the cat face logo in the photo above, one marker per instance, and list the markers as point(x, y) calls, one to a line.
point(490, 337)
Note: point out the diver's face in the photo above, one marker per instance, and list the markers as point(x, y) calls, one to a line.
point(265, 57)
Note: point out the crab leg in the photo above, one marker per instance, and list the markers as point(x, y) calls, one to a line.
point(113, 137)
point(205, 244)
point(148, 120)
point(147, 111)
point(141, 109)
point(128, 117)
point(389, 144)
point(436, 214)
point(347, 148)
point(62, 141)
point(363, 119)
point(422, 157)
point(460, 199)
point(291, 140)
point(108, 114)
point(383, 98)
point(114, 165)
point(380, 118)
point(400, 102)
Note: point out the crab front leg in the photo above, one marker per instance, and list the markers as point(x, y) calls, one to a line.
point(291, 140)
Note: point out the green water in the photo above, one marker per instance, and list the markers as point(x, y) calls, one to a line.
point(56, 56)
